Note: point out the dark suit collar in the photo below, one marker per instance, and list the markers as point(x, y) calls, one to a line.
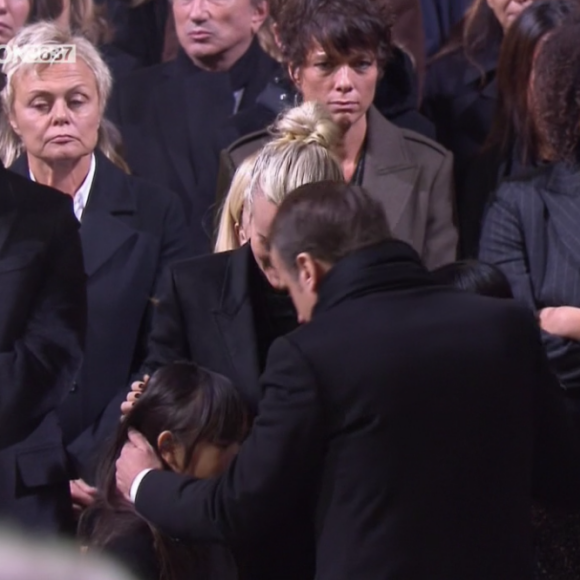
point(236, 286)
point(560, 191)
point(387, 266)
point(236, 322)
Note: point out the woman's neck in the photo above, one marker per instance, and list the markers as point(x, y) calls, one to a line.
point(65, 175)
point(350, 147)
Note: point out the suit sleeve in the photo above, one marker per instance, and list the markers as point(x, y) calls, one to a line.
point(441, 237)
point(503, 244)
point(38, 370)
point(271, 477)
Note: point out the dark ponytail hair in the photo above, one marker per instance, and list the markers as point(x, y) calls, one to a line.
point(195, 405)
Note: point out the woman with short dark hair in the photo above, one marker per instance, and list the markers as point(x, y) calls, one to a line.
point(336, 52)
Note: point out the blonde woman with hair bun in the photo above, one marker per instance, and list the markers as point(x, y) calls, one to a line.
point(223, 310)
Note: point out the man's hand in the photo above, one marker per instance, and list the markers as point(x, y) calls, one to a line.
point(136, 456)
point(82, 494)
point(562, 321)
point(137, 389)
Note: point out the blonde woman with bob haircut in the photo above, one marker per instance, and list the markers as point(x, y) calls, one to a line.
point(223, 310)
point(232, 225)
point(130, 230)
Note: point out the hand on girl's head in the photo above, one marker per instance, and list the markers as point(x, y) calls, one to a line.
point(137, 389)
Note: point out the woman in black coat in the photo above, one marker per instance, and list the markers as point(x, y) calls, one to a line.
point(130, 230)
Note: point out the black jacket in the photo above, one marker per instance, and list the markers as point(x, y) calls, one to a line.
point(42, 325)
point(131, 231)
point(531, 233)
point(402, 440)
point(171, 118)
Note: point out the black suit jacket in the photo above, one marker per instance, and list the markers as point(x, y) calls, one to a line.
point(131, 231)
point(415, 435)
point(531, 233)
point(172, 119)
point(42, 324)
point(206, 314)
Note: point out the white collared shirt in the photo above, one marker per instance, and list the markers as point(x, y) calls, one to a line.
point(81, 196)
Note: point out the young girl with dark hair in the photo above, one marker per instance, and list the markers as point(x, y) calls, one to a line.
point(196, 420)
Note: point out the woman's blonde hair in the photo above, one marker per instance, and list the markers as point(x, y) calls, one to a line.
point(51, 34)
point(232, 208)
point(300, 153)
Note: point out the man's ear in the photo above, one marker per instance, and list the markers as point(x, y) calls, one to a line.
point(310, 271)
point(296, 76)
point(261, 13)
point(167, 449)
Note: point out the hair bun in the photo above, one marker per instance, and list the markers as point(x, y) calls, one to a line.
point(309, 123)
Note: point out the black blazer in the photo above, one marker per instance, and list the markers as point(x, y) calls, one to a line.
point(172, 119)
point(131, 231)
point(206, 314)
point(531, 233)
point(42, 324)
point(419, 462)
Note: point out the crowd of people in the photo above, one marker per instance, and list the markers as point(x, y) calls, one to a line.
point(288, 287)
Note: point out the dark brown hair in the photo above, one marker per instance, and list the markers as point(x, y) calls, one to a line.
point(513, 123)
point(328, 220)
point(196, 405)
point(477, 31)
point(339, 26)
point(556, 94)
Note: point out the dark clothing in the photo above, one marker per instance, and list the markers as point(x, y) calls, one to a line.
point(131, 231)
point(419, 465)
point(139, 31)
point(42, 326)
point(462, 105)
point(207, 313)
point(440, 17)
point(274, 313)
point(135, 550)
point(531, 233)
point(171, 117)
point(119, 62)
point(396, 98)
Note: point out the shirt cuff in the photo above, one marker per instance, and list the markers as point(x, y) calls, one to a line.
point(136, 483)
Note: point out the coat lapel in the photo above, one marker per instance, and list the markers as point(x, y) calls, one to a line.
point(390, 175)
point(235, 320)
point(102, 232)
point(562, 200)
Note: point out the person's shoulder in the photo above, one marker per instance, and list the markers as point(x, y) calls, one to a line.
point(445, 73)
point(526, 185)
point(425, 145)
point(247, 145)
point(33, 196)
point(143, 79)
point(203, 269)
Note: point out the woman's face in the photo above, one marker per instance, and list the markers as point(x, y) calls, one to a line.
point(346, 85)
point(56, 111)
point(13, 16)
point(506, 11)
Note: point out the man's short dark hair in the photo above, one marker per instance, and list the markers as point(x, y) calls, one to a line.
point(329, 220)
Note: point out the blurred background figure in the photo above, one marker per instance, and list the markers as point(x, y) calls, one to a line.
point(461, 85)
point(130, 230)
point(24, 559)
point(514, 145)
point(530, 230)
